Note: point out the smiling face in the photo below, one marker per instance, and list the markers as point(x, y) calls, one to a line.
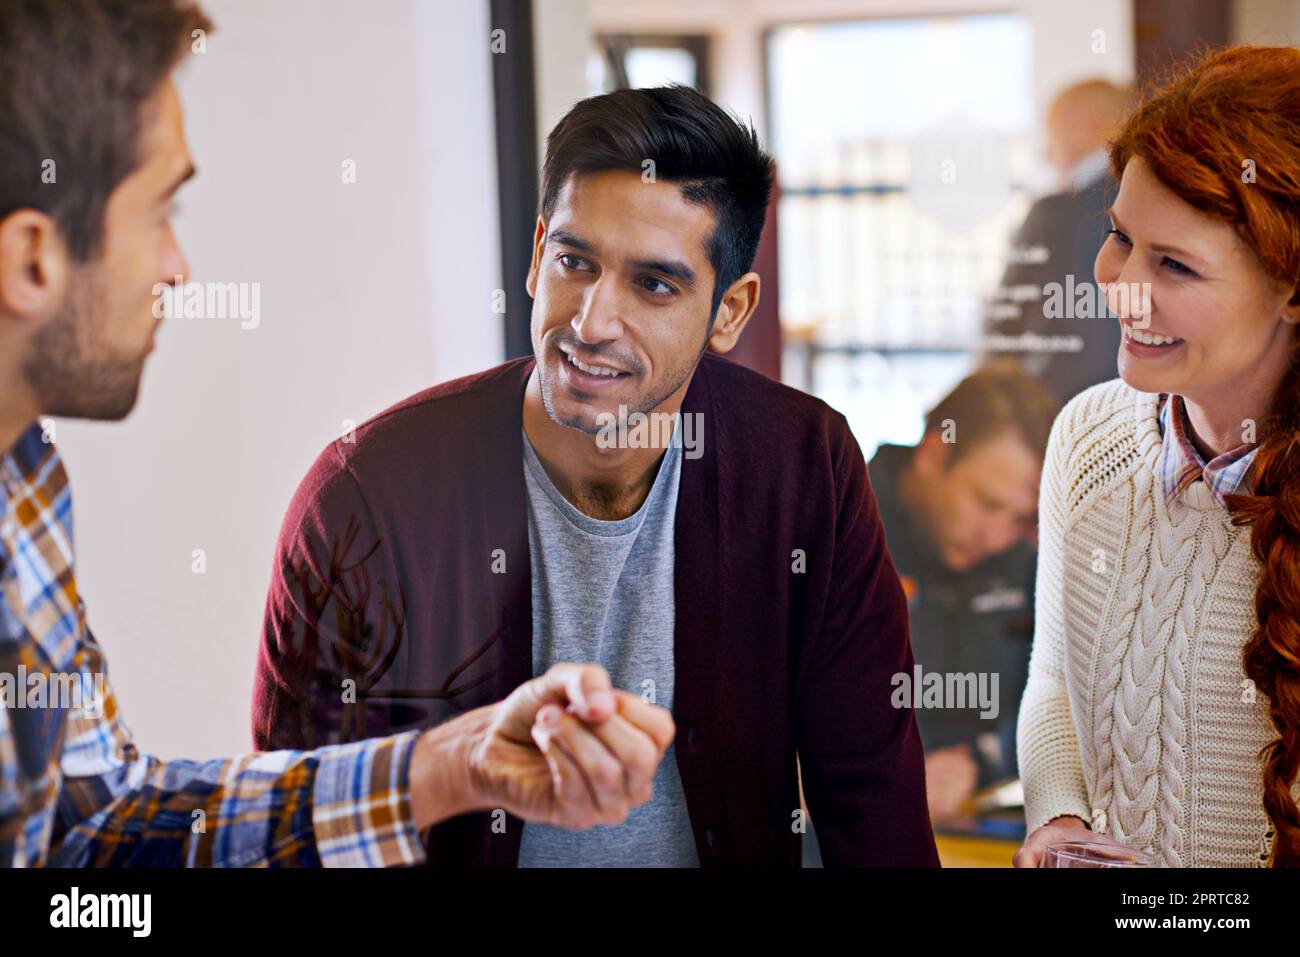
point(1215, 324)
point(622, 289)
point(87, 359)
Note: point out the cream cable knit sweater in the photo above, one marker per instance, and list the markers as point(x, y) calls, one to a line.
point(1137, 716)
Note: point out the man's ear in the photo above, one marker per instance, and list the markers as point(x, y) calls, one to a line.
point(931, 455)
point(539, 241)
point(34, 266)
point(737, 305)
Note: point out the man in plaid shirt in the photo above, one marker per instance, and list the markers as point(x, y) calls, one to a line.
point(86, 84)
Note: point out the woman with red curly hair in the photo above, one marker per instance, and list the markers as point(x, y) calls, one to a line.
point(1163, 705)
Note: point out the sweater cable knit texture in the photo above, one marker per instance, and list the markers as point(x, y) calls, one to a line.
point(1137, 716)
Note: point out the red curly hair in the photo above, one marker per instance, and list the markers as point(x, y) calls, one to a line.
point(1223, 134)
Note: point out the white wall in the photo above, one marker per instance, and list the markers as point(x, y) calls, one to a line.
point(369, 291)
point(1266, 21)
point(561, 41)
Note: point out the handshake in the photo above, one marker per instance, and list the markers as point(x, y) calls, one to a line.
point(565, 749)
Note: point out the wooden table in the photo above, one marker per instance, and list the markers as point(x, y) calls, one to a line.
point(985, 840)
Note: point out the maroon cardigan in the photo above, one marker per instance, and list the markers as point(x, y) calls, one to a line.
point(402, 573)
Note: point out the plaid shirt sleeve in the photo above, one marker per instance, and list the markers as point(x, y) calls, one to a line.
point(75, 791)
point(345, 805)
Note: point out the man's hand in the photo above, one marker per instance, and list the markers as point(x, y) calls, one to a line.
point(1059, 830)
point(564, 749)
point(950, 777)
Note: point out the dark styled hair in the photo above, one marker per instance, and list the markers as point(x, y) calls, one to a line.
point(74, 75)
point(710, 154)
point(1213, 113)
point(991, 400)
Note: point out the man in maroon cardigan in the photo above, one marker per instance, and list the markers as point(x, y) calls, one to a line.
point(732, 567)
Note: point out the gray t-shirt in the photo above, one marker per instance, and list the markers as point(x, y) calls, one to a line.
point(603, 592)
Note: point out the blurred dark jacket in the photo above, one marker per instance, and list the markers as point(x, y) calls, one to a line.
point(975, 621)
point(1068, 228)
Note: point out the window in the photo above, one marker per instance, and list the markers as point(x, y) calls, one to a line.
point(901, 147)
point(620, 61)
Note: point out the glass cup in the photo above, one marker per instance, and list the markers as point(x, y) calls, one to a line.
point(1091, 854)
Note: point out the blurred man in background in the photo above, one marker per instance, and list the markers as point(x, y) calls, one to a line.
point(960, 510)
point(1052, 253)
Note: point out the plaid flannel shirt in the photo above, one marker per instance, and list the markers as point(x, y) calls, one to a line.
point(74, 790)
point(1181, 464)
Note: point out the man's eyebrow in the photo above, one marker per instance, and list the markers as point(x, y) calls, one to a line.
point(568, 239)
point(1158, 247)
point(672, 268)
point(190, 173)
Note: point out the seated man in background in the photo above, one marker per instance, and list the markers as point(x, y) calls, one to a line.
point(81, 258)
point(705, 533)
point(960, 509)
